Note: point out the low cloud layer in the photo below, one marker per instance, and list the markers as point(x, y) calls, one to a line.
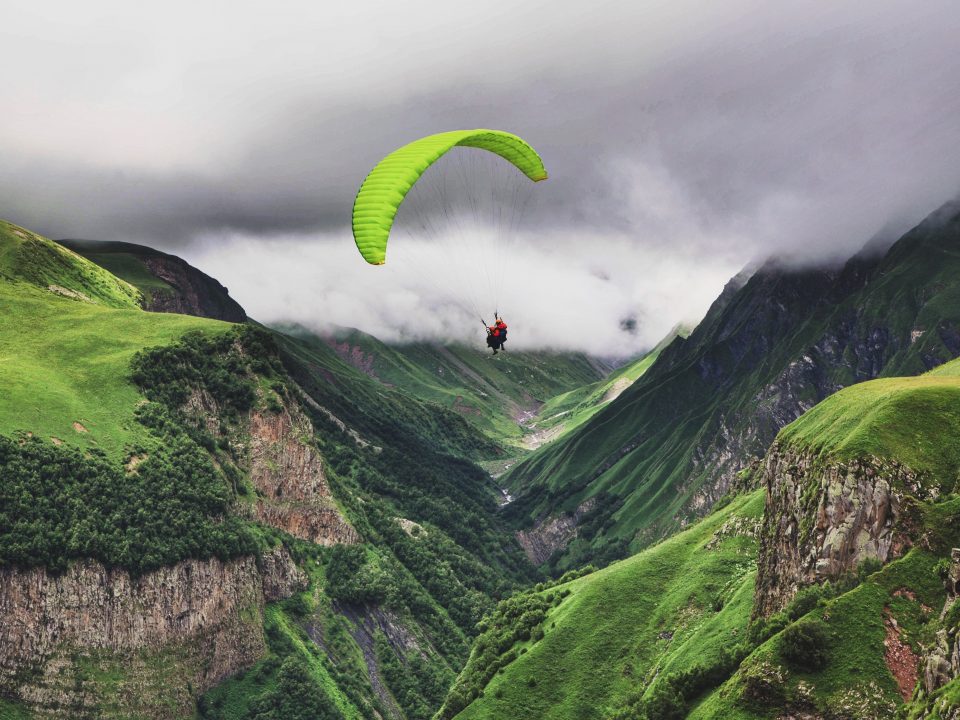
point(683, 140)
point(614, 304)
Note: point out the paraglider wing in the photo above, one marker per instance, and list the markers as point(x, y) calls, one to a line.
point(388, 183)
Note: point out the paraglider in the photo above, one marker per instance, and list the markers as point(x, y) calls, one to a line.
point(383, 191)
point(496, 333)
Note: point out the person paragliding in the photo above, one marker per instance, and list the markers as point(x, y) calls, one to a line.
point(502, 327)
point(385, 187)
point(496, 333)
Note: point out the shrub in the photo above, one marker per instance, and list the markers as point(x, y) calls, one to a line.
point(805, 645)
point(762, 630)
point(804, 601)
point(664, 703)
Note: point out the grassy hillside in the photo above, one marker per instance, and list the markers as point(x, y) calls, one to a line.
point(671, 606)
point(493, 393)
point(65, 360)
point(124, 260)
point(26, 257)
point(569, 410)
point(912, 419)
point(166, 282)
point(691, 650)
point(850, 676)
point(771, 347)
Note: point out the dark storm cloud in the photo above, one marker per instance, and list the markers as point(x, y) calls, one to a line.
point(713, 131)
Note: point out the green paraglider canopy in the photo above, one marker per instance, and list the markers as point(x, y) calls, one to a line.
point(388, 183)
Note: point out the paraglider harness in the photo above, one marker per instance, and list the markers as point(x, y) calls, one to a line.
point(496, 336)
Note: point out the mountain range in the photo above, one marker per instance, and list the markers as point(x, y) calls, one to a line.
point(204, 517)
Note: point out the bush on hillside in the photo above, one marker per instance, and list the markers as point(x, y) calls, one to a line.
point(297, 696)
point(804, 601)
point(56, 504)
point(805, 645)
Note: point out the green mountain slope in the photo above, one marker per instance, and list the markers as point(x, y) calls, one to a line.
point(667, 633)
point(493, 393)
point(126, 437)
point(769, 348)
point(166, 283)
point(26, 257)
point(671, 606)
point(569, 410)
point(911, 419)
point(65, 355)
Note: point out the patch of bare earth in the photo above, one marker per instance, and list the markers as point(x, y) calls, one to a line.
point(66, 292)
point(911, 595)
point(56, 441)
point(542, 437)
point(900, 658)
point(615, 390)
point(79, 428)
point(134, 461)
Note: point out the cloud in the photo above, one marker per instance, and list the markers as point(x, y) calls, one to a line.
point(574, 300)
point(683, 132)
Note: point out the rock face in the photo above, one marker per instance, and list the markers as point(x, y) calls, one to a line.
point(193, 292)
point(288, 475)
point(942, 663)
point(284, 468)
point(823, 518)
point(96, 642)
point(552, 534)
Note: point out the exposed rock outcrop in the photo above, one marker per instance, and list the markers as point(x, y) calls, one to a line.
point(98, 642)
point(941, 664)
point(822, 518)
point(552, 534)
point(192, 292)
point(284, 468)
point(287, 472)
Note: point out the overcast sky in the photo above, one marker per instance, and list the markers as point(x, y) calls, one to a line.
point(683, 140)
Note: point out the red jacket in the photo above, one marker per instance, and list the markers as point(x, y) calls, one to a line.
point(494, 330)
point(501, 325)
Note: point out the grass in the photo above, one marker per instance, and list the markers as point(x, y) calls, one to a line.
point(13, 711)
point(609, 634)
point(132, 269)
point(65, 366)
point(26, 257)
point(65, 359)
point(855, 678)
point(569, 410)
point(911, 419)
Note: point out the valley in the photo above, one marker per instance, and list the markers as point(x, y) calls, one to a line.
point(205, 517)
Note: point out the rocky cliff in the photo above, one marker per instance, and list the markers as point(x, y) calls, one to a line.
point(823, 518)
point(287, 472)
point(97, 642)
point(274, 449)
point(168, 283)
point(552, 533)
point(941, 663)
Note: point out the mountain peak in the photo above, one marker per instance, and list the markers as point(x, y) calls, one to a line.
point(168, 283)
